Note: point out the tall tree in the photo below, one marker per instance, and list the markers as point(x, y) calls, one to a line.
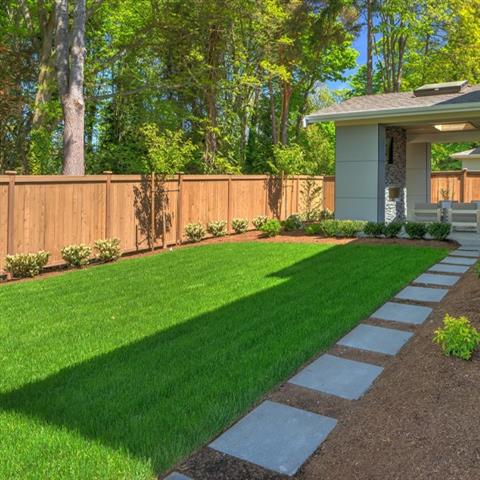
point(70, 77)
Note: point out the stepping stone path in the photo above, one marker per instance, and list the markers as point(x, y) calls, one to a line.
point(403, 313)
point(459, 261)
point(464, 253)
point(338, 376)
point(376, 339)
point(276, 436)
point(422, 294)
point(281, 438)
point(177, 476)
point(436, 279)
point(444, 268)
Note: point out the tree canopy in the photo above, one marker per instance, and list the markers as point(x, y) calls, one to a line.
point(209, 85)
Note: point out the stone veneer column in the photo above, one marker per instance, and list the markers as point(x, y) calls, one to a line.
point(395, 175)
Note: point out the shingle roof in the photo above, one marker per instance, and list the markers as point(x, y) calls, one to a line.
point(473, 153)
point(392, 101)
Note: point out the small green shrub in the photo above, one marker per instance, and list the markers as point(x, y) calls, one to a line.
point(439, 231)
point(76, 255)
point(328, 228)
point(271, 228)
point(218, 228)
point(195, 232)
point(313, 229)
point(350, 228)
point(341, 228)
point(293, 222)
point(416, 230)
point(457, 338)
point(259, 221)
point(393, 229)
point(374, 229)
point(477, 266)
point(108, 250)
point(240, 225)
point(22, 265)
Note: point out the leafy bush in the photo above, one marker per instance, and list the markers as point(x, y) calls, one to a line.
point(22, 265)
point(439, 231)
point(393, 229)
point(194, 232)
point(457, 338)
point(271, 227)
point(218, 228)
point(293, 222)
point(374, 229)
point(328, 228)
point(259, 221)
point(477, 266)
point(317, 215)
point(416, 230)
point(240, 225)
point(349, 228)
point(313, 229)
point(76, 255)
point(108, 250)
point(341, 228)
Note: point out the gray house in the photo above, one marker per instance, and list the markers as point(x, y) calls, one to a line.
point(383, 146)
point(470, 159)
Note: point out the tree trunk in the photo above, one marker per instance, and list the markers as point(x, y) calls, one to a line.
point(73, 135)
point(273, 115)
point(286, 95)
point(369, 88)
point(70, 75)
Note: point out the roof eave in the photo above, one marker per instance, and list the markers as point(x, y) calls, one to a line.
point(392, 113)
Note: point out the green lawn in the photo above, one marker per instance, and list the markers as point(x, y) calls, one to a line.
point(121, 370)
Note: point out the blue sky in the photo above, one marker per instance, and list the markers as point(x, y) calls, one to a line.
point(360, 44)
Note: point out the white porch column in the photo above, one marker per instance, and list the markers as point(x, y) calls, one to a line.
point(418, 175)
point(360, 173)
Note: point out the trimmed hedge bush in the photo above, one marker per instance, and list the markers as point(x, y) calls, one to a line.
point(374, 229)
point(416, 230)
point(76, 255)
point(271, 228)
point(195, 232)
point(259, 221)
point(439, 231)
point(240, 225)
point(218, 228)
point(341, 228)
point(108, 250)
point(22, 265)
point(293, 222)
point(313, 229)
point(393, 229)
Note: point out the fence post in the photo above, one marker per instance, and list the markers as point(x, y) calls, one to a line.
point(229, 204)
point(108, 205)
point(463, 183)
point(11, 211)
point(265, 183)
point(178, 240)
point(152, 211)
point(298, 195)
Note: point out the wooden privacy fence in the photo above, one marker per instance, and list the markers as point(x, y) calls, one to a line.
point(461, 186)
point(49, 212)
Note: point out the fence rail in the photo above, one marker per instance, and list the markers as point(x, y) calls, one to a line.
point(144, 212)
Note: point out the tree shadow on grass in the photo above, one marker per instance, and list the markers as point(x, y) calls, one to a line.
point(162, 396)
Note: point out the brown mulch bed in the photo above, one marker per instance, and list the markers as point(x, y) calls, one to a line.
point(420, 420)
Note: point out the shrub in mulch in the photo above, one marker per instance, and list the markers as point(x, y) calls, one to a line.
point(416, 230)
point(439, 231)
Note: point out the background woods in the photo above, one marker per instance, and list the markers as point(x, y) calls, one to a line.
point(195, 86)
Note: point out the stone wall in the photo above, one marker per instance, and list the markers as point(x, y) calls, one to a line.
point(395, 175)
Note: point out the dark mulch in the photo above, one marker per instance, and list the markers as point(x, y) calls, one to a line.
point(419, 421)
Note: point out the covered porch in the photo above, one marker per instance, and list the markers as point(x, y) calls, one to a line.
point(383, 147)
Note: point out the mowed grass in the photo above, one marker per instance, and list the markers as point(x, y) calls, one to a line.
point(119, 371)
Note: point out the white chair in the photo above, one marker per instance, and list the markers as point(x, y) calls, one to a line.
point(428, 212)
point(465, 216)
